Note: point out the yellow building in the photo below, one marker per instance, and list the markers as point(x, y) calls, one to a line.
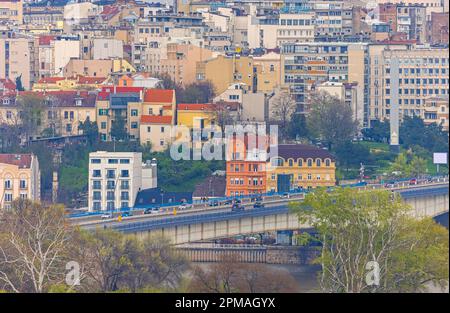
point(60, 114)
point(19, 178)
point(300, 166)
point(11, 11)
point(97, 68)
point(436, 111)
point(223, 71)
point(267, 72)
point(196, 115)
point(68, 83)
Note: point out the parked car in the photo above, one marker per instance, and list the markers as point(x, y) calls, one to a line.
point(258, 204)
point(285, 195)
point(413, 181)
point(107, 216)
point(228, 201)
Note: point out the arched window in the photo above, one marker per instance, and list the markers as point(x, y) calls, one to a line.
point(300, 162)
point(318, 162)
point(309, 162)
point(277, 162)
point(327, 162)
point(291, 162)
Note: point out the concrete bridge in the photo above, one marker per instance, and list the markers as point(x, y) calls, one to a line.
point(198, 226)
point(210, 252)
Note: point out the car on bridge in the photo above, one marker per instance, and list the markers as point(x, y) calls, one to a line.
point(184, 206)
point(151, 210)
point(258, 204)
point(106, 216)
point(127, 214)
point(214, 203)
point(237, 207)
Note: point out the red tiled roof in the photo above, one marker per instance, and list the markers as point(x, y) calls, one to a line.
point(8, 83)
point(108, 12)
point(20, 160)
point(110, 89)
point(91, 80)
point(196, 106)
point(50, 80)
point(156, 119)
point(45, 40)
point(159, 95)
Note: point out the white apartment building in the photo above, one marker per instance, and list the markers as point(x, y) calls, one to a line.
point(115, 178)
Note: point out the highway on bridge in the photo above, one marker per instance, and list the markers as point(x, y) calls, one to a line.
point(139, 223)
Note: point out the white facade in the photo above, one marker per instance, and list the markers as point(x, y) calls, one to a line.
point(63, 51)
point(107, 49)
point(115, 178)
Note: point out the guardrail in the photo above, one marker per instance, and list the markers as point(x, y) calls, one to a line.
point(401, 184)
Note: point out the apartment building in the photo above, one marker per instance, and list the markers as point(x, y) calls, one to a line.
point(20, 177)
point(272, 31)
point(246, 166)
point(423, 73)
point(156, 131)
point(300, 167)
point(115, 178)
point(61, 114)
point(18, 59)
point(436, 111)
point(305, 65)
point(411, 20)
point(11, 11)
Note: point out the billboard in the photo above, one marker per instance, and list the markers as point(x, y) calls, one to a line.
point(440, 158)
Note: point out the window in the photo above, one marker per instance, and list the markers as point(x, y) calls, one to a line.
point(124, 195)
point(161, 142)
point(162, 129)
point(23, 184)
point(96, 173)
point(97, 195)
point(110, 195)
point(97, 184)
point(103, 125)
point(300, 162)
point(102, 112)
point(124, 204)
point(149, 129)
point(125, 185)
point(134, 125)
point(327, 162)
point(134, 112)
point(291, 162)
point(8, 197)
point(309, 176)
point(318, 162)
point(124, 173)
point(69, 128)
point(309, 162)
point(111, 174)
point(96, 161)
point(124, 161)
point(113, 161)
point(8, 184)
point(110, 205)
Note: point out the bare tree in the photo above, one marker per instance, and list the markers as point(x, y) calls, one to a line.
point(230, 275)
point(282, 109)
point(33, 246)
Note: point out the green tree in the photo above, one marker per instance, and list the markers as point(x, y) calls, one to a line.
point(118, 130)
point(352, 154)
point(330, 120)
point(400, 166)
point(379, 131)
point(356, 228)
point(417, 166)
point(90, 129)
point(283, 108)
point(32, 108)
point(413, 131)
point(297, 127)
